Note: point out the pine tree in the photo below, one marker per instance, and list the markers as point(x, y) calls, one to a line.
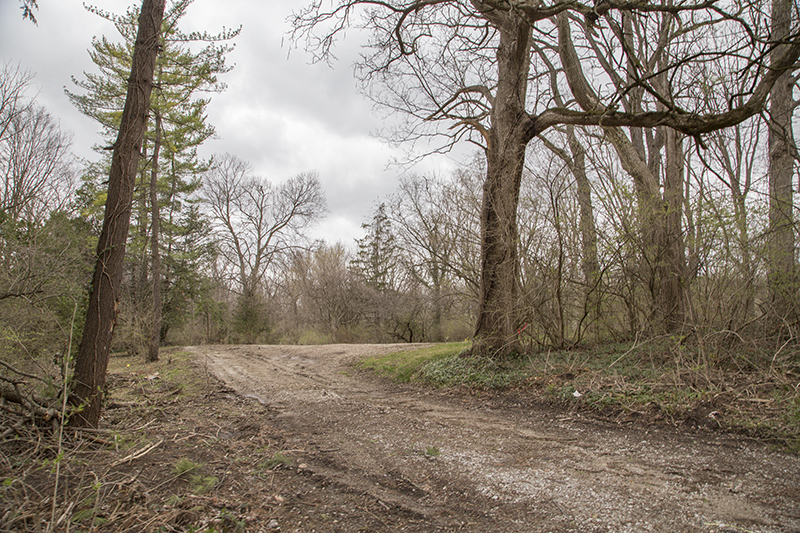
point(376, 261)
point(176, 127)
point(91, 361)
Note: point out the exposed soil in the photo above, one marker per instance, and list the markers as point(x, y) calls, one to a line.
point(367, 454)
point(297, 439)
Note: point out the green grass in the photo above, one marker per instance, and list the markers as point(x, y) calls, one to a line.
point(192, 472)
point(663, 379)
point(402, 366)
point(476, 372)
point(433, 451)
point(277, 459)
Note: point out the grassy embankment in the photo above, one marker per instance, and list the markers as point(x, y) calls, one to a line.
point(664, 381)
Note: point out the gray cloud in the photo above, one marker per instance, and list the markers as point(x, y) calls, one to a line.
point(280, 113)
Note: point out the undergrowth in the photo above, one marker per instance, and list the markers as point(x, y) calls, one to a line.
point(404, 365)
point(739, 389)
point(149, 467)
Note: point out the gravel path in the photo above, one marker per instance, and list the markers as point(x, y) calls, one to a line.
point(458, 463)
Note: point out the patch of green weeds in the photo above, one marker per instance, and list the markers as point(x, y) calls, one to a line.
point(200, 484)
point(277, 459)
point(432, 451)
point(192, 472)
point(470, 371)
point(175, 500)
point(402, 366)
point(184, 466)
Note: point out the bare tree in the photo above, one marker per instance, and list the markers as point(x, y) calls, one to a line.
point(782, 152)
point(36, 182)
point(574, 157)
point(258, 222)
point(14, 84)
point(731, 164)
point(431, 223)
point(92, 359)
point(35, 165)
point(660, 213)
point(468, 64)
point(323, 293)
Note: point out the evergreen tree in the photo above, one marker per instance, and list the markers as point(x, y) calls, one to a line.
point(176, 127)
point(377, 261)
point(91, 361)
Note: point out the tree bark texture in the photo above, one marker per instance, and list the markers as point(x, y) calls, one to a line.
point(671, 305)
point(781, 265)
point(660, 231)
point(155, 253)
point(140, 267)
point(92, 358)
point(495, 331)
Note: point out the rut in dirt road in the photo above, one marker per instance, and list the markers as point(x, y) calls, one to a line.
point(456, 463)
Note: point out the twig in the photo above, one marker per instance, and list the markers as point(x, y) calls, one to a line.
point(169, 480)
point(144, 426)
point(15, 428)
point(96, 431)
point(141, 453)
point(64, 364)
point(21, 373)
point(772, 364)
point(63, 516)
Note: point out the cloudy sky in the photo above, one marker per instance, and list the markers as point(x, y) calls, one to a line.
point(280, 113)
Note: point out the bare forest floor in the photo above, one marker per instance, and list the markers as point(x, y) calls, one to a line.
point(298, 438)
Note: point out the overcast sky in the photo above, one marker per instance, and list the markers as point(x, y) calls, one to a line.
point(280, 113)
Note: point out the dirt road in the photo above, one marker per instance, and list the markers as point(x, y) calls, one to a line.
point(462, 463)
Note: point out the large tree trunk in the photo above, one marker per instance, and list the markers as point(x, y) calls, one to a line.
point(781, 268)
point(155, 326)
point(92, 358)
point(495, 332)
point(671, 306)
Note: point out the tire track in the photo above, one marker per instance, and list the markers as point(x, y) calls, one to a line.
point(461, 465)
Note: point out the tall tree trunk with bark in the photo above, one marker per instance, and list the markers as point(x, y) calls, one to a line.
point(781, 264)
point(671, 306)
point(92, 358)
point(140, 268)
point(663, 257)
point(155, 326)
point(495, 332)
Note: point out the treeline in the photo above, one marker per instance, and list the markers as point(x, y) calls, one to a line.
point(619, 232)
point(238, 268)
